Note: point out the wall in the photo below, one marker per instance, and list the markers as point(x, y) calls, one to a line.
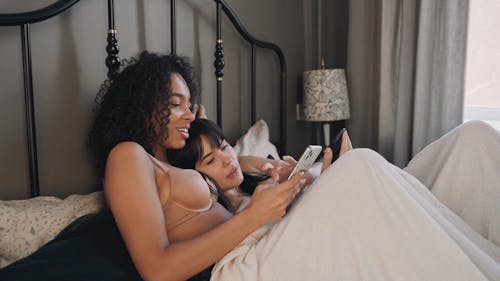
point(335, 23)
point(68, 55)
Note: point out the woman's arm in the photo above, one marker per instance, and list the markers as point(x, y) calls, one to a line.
point(280, 169)
point(132, 195)
point(238, 199)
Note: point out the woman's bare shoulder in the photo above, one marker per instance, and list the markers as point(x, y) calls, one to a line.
point(128, 160)
point(127, 147)
point(127, 152)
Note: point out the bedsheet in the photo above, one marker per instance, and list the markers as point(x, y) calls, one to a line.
point(364, 219)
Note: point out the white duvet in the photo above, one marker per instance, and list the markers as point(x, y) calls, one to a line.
point(365, 219)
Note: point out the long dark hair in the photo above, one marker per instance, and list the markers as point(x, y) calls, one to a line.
point(125, 108)
point(187, 157)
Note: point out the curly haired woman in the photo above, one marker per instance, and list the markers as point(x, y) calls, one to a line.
point(169, 218)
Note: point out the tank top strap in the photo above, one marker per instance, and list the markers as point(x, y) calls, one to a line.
point(166, 169)
point(159, 164)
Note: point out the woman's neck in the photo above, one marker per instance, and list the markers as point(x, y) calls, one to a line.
point(160, 154)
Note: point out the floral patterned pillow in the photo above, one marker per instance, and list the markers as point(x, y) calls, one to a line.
point(26, 225)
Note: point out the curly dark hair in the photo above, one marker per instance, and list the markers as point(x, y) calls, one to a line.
point(136, 95)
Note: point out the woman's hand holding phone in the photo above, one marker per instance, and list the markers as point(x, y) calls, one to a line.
point(307, 159)
point(279, 169)
point(269, 201)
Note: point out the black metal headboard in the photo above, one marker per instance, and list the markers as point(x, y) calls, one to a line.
point(25, 19)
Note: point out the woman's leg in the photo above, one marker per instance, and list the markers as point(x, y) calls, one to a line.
point(462, 169)
point(363, 219)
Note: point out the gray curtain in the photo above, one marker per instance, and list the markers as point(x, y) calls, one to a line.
point(405, 71)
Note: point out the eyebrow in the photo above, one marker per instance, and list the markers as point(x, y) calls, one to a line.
point(179, 95)
point(206, 155)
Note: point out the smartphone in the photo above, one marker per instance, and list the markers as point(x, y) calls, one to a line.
point(336, 144)
point(307, 159)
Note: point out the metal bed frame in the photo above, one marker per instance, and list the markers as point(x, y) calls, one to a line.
point(25, 19)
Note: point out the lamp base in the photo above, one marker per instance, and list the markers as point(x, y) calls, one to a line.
point(323, 132)
point(326, 133)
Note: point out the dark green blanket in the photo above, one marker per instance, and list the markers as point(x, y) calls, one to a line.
point(90, 248)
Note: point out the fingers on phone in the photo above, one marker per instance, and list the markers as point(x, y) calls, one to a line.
point(297, 176)
point(272, 170)
point(266, 167)
point(302, 181)
point(295, 180)
point(296, 185)
point(289, 160)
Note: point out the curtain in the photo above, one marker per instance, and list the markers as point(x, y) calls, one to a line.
point(405, 71)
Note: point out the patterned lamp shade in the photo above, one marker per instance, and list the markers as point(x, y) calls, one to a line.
point(325, 95)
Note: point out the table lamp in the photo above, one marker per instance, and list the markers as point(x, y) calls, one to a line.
point(325, 98)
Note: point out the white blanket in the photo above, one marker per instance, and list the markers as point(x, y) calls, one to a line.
point(364, 219)
point(462, 169)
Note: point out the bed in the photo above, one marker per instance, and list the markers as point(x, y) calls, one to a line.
point(28, 224)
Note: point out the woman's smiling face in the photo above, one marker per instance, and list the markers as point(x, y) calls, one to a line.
point(179, 118)
point(220, 163)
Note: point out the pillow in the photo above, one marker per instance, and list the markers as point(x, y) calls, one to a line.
point(26, 225)
point(256, 142)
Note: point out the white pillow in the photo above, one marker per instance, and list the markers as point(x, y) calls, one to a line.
point(26, 225)
point(256, 142)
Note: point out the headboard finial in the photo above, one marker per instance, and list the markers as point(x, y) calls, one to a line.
point(112, 49)
point(112, 60)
